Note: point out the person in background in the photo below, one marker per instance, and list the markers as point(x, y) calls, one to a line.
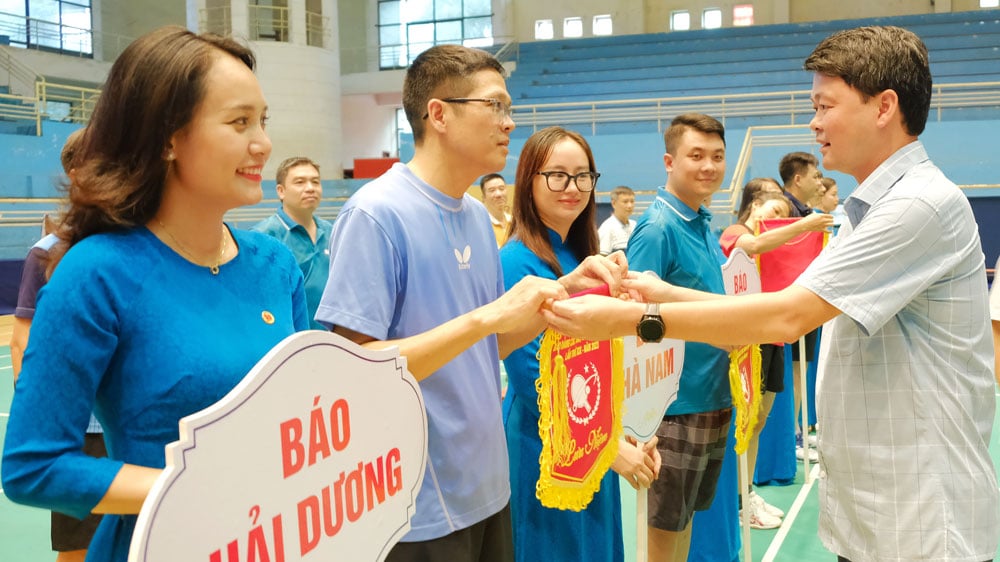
point(673, 239)
point(750, 191)
point(829, 200)
point(762, 206)
point(552, 232)
point(803, 185)
point(296, 225)
point(494, 190)
point(154, 309)
point(614, 232)
point(907, 360)
point(995, 322)
point(70, 536)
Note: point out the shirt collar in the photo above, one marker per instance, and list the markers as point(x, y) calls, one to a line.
point(680, 208)
point(287, 221)
point(879, 182)
point(802, 208)
point(493, 220)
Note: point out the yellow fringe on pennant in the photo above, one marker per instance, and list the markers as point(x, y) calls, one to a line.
point(558, 444)
point(746, 413)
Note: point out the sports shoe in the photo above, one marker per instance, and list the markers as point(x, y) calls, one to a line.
point(800, 453)
point(760, 519)
point(759, 504)
point(812, 439)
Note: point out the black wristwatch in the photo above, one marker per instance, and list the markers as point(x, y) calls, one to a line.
point(651, 328)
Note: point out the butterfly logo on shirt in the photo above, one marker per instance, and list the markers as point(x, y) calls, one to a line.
point(463, 257)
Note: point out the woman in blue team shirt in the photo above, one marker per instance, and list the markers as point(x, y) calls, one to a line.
point(155, 308)
point(553, 229)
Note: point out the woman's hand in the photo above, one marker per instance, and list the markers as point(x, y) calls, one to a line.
point(596, 271)
point(638, 464)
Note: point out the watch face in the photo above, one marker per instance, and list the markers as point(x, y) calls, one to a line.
point(650, 329)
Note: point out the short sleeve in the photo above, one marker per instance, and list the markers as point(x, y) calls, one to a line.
point(365, 277)
point(604, 237)
point(896, 252)
point(32, 279)
point(647, 249)
point(995, 296)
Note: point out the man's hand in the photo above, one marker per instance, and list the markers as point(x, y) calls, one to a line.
point(593, 317)
point(520, 305)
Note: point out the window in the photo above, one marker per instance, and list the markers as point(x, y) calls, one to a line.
point(602, 25)
point(543, 29)
point(408, 27)
point(573, 27)
point(742, 15)
point(680, 20)
point(63, 26)
point(711, 18)
point(989, 3)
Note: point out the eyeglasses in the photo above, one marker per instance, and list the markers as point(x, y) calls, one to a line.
point(501, 110)
point(559, 181)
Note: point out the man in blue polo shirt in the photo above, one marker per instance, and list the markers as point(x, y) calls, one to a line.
point(674, 239)
point(298, 227)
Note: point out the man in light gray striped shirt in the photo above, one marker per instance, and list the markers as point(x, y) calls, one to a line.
point(905, 395)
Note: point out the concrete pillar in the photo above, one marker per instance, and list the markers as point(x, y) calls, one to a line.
point(297, 21)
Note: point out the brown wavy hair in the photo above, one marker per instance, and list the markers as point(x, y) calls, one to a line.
point(526, 224)
point(152, 92)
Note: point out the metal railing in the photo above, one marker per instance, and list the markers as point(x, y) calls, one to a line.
point(19, 75)
point(20, 108)
point(79, 100)
point(217, 19)
point(34, 33)
point(316, 29)
point(268, 22)
point(793, 104)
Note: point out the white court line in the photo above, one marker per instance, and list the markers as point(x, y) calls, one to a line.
point(4, 415)
point(5, 356)
point(793, 512)
point(6, 368)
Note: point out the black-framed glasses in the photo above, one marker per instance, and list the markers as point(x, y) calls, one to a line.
point(559, 181)
point(501, 110)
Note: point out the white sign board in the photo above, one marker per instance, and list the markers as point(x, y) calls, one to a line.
point(318, 454)
point(740, 274)
point(652, 377)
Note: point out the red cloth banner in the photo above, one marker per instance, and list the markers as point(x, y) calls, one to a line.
point(781, 266)
point(580, 391)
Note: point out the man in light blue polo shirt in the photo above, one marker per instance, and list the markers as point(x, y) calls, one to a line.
point(673, 239)
point(298, 227)
point(415, 266)
point(905, 393)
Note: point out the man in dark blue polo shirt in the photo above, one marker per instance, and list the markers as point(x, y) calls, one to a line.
point(298, 227)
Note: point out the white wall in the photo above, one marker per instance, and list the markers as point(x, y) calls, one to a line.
point(626, 16)
point(369, 128)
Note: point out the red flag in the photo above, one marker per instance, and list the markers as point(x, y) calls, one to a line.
point(783, 265)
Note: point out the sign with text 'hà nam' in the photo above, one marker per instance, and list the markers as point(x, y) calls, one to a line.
point(652, 377)
point(318, 454)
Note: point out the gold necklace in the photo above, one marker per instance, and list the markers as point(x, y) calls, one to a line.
point(213, 268)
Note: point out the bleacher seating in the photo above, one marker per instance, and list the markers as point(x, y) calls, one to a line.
point(963, 46)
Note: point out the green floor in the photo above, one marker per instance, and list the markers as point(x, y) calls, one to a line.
point(24, 531)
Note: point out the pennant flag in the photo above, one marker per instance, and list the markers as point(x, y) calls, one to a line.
point(580, 390)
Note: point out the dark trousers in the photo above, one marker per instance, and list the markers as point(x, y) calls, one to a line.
point(490, 540)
